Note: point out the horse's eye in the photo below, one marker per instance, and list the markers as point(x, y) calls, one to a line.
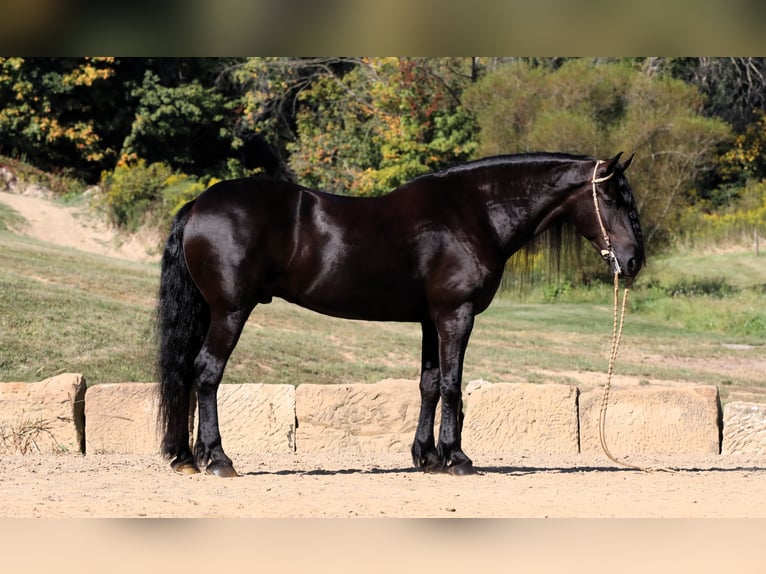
point(608, 199)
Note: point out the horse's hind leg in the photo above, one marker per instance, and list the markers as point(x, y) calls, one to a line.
point(183, 459)
point(210, 362)
point(424, 453)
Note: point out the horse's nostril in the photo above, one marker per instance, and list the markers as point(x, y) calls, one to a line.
point(632, 266)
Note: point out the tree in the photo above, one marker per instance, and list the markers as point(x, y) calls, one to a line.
point(734, 89)
point(188, 125)
point(336, 139)
point(367, 129)
point(270, 92)
point(599, 108)
point(675, 147)
point(51, 113)
point(82, 115)
point(745, 159)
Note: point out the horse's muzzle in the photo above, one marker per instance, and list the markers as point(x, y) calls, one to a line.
point(632, 267)
point(628, 268)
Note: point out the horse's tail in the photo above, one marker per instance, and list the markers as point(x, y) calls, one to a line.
point(182, 322)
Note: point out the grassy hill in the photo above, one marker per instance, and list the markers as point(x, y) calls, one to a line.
point(693, 318)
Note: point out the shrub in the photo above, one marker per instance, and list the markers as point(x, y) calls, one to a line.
point(137, 194)
point(556, 290)
point(689, 286)
point(734, 223)
point(177, 190)
point(132, 191)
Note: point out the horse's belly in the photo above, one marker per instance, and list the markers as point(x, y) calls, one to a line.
point(362, 303)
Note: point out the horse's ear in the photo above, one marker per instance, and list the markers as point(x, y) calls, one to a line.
point(607, 168)
point(624, 165)
point(612, 162)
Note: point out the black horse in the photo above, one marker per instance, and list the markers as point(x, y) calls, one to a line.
point(431, 252)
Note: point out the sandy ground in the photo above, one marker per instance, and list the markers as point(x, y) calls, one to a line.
point(332, 485)
point(350, 485)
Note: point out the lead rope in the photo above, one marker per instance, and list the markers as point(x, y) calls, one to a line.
point(616, 336)
point(618, 321)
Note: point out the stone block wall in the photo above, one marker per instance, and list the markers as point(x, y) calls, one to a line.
point(500, 419)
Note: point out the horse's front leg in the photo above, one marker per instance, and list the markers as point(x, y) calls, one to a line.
point(454, 329)
point(424, 455)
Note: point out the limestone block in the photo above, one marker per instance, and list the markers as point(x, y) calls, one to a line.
point(257, 418)
point(382, 417)
point(512, 418)
point(653, 420)
point(253, 418)
point(45, 416)
point(121, 418)
point(369, 418)
point(744, 428)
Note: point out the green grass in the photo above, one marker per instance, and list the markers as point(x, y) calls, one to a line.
point(9, 218)
point(741, 269)
point(63, 310)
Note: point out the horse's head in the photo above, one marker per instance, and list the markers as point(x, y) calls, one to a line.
point(605, 213)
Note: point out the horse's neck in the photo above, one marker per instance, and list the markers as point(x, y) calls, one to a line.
point(519, 209)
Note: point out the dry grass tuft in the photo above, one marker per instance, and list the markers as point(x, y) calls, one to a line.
point(25, 436)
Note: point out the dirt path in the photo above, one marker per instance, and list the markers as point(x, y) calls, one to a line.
point(332, 485)
point(76, 227)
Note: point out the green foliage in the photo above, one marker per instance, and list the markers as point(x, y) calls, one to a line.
point(179, 189)
point(689, 286)
point(51, 112)
point(270, 88)
point(363, 126)
point(735, 222)
point(131, 191)
point(369, 129)
point(572, 109)
point(82, 116)
point(598, 109)
point(184, 126)
point(137, 194)
point(746, 158)
point(556, 290)
point(337, 141)
point(734, 88)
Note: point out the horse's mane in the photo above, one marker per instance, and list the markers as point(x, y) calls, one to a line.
point(557, 248)
point(500, 160)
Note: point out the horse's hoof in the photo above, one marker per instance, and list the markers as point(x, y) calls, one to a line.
point(436, 468)
point(221, 469)
point(185, 467)
point(429, 464)
point(462, 469)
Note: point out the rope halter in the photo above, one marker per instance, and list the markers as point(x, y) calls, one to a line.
point(608, 254)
